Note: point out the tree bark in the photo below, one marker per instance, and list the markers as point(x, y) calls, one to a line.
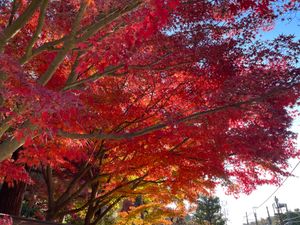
point(11, 198)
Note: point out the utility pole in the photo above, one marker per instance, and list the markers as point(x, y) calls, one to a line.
point(278, 210)
point(247, 218)
point(256, 222)
point(255, 215)
point(269, 218)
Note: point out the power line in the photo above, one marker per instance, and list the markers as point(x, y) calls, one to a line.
point(278, 186)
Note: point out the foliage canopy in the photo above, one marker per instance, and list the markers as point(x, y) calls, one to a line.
point(107, 100)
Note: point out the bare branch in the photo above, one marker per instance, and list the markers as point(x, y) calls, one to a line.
point(95, 76)
point(163, 125)
point(178, 145)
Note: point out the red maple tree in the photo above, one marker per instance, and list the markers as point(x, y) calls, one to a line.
point(165, 98)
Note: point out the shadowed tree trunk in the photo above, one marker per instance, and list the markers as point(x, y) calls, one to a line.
point(11, 198)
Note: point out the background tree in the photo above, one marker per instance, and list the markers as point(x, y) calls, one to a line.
point(290, 217)
point(209, 212)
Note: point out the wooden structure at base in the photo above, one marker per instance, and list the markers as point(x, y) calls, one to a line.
point(26, 221)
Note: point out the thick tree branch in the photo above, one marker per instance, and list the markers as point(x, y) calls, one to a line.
point(15, 6)
point(102, 197)
point(50, 188)
point(107, 210)
point(49, 46)
point(8, 146)
point(115, 14)
point(37, 32)
point(76, 210)
point(5, 125)
point(73, 75)
point(90, 31)
point(81, 173)
point(68, 44)
point(72, 196)
point(92, 207)
point(15, 27)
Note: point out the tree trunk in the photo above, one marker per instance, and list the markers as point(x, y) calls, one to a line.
point(11, 198)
